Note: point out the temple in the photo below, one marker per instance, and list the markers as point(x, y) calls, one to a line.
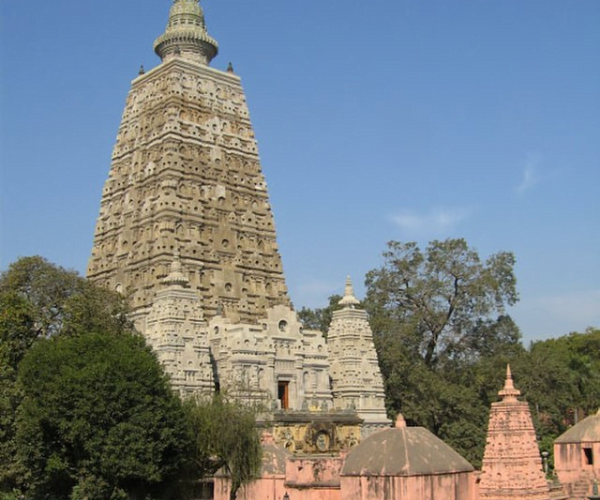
point(186, 231)
point(577, 458)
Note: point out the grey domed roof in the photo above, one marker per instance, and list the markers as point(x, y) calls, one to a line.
point(586, 431)
point(403, 451)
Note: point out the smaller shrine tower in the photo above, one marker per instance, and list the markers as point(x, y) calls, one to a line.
point(512, 466)
point(178, 333)
point(354, 369)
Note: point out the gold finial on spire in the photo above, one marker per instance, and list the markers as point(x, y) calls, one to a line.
point(349, 299)
point(509, 393)
point(186, 35)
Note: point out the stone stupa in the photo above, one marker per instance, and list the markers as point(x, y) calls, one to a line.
point(512, 465)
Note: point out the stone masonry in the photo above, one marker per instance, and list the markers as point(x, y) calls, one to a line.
point(355, 375)
point(512, 466)
point(186, 178)
point(186, 230)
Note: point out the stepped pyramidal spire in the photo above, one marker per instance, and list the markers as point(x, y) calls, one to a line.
point(185, 190)
point(512, 465)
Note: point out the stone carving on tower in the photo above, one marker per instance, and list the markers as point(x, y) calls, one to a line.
point(354, 369)
point(512, 466)
point(277, 360)
point(186, 230)
point(178, 333)
point(185, 177)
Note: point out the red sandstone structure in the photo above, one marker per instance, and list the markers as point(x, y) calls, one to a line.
point(399, 463)
point(577, 457)
point(406, 463)
point(270, 485)
point(512, 467)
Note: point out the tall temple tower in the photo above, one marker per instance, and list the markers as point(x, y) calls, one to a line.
point(186, 230)
point(512, 466)
point(186, 180)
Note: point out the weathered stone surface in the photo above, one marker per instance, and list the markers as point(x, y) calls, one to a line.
point(186, 178)
point(404, 451)
point(186, 36)
point(178, 333)
point(270, 485)
point(586, 431)
point(512, 465)
point(314, 432)
point(275, 360)
point(356, 380)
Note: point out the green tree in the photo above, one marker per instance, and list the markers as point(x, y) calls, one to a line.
point(436, 314)
point(16, 324)
point(62, 302)
point(561, 380)
point(225, 436)
point(98, 420)
point(39, 300)
point(440, 301)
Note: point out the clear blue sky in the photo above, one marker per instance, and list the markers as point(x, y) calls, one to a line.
point(378, 120)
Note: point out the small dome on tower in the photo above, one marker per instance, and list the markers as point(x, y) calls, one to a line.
point(176, 277)
point(349, 300)
point(186, 36)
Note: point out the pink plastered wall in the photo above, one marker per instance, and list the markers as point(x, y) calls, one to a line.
point(265, 488)
point(571, 461)
point(460, 486)
point(313, 478)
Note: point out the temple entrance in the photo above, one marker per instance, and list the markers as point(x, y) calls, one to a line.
point(283, 393)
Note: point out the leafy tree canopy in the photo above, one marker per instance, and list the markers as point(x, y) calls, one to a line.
point(40, 300)
point(435, 313)
point(225, 436)
point(58, 301)
point(91, 414)
point(561, 380)
point(98, 420)
point(443, 302)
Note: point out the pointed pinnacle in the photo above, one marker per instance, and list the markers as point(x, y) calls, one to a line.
point(349, 299)
point(509, 393)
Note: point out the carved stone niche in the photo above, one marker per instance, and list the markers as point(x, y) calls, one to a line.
point(314, 433)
